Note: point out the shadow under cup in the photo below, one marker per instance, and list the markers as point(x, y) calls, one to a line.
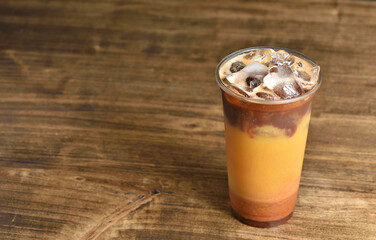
point(265, 144)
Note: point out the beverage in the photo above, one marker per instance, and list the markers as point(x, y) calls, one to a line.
point(267, 98)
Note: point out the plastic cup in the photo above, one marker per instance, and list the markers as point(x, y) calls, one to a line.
point(265, 144)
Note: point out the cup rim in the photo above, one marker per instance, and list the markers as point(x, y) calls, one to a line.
point(260, 101)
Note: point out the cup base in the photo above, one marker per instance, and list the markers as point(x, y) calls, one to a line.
point(261, 224)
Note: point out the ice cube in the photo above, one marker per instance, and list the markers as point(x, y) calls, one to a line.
point(262, 92)
point(253, 70)
point(288, 90)
point(260, 55)
point(238, 78)
point(282, 82)
point(256, 68)
point(282, 57)
point(289, 60)
point(281, 71)
point(303, 75)
point(315, 73)
point(307, 80)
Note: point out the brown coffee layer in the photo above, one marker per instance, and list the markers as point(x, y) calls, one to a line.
point(259, 211)
point(248, 116)
point(268, 224)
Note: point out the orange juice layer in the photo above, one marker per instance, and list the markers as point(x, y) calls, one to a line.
point(265, 168)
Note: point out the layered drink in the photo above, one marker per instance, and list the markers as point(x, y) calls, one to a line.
point(267, 98)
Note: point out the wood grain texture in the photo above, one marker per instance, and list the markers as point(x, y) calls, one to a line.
point(111, 123)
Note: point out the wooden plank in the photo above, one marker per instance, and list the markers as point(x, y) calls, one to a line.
point(111, 123)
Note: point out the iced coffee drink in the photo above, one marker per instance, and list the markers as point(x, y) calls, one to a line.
point(267, 97)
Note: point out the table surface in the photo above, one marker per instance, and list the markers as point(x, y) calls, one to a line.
point(112, 127)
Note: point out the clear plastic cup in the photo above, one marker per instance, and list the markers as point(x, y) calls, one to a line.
point(265, 144)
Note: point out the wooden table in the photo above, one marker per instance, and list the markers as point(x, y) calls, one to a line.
point(111, 123)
